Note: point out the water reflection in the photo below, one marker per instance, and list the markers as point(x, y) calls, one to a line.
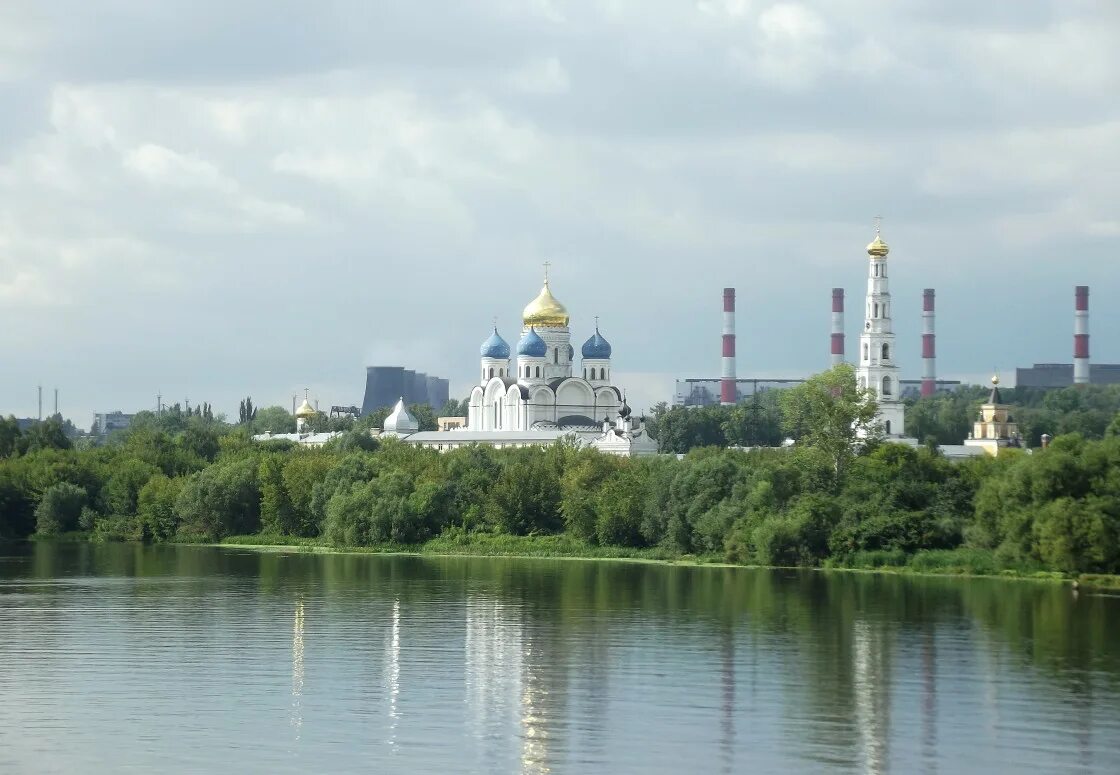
point(297, 669)
point(538, 666)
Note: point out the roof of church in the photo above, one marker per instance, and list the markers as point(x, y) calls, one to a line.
point(400, 420)
point(495, 347)
point(531, 345)
point(597, 346)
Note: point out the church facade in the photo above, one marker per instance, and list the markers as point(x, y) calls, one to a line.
point(539, 386)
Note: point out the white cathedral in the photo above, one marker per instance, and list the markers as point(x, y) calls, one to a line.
point(539, 397)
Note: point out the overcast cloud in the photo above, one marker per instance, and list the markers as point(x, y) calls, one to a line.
point(215, 199)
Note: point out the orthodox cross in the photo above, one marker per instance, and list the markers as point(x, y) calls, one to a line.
point(878, 223)
point(547, 264)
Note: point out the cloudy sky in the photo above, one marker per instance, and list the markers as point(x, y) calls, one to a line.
point(215, 199)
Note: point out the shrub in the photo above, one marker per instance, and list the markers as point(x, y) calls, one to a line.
point(59, 509)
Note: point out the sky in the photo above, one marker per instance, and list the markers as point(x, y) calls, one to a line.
point(209, 200)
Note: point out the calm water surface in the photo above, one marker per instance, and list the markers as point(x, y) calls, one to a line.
point(189, 659)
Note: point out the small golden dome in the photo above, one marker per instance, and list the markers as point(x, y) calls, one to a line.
point(305, 410)
point(545, 310)
point(878, 248)
point(995, 379)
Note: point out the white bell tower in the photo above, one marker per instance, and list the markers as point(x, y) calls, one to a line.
point(878, 369)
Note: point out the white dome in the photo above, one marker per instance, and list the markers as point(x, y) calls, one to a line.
point(400, 420)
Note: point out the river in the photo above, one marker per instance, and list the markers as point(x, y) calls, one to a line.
point(188, 659)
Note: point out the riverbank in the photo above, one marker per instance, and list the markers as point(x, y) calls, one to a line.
point(963, 563)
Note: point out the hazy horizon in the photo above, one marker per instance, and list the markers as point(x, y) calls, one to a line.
point(213, 200)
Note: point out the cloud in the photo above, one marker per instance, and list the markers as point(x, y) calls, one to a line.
point(189, 208)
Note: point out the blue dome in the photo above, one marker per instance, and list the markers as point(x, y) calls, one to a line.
point(495, 347)
point(597, 347)
point(532, 345)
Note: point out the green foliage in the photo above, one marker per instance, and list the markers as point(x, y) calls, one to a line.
point(155, 508)
point(59, 509)
point(831, 413)
point(273, 419)
point(832, 499)
point(221, 500)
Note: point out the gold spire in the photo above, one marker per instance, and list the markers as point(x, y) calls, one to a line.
point(545, 310)
point(878, 248)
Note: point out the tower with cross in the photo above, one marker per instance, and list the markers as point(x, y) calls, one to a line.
point(877, 369)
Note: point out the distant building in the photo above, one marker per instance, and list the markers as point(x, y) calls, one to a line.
point(451, 423)
point(105, 423)
point(1060, 375)
point(995, 428)
point(386, 384)
point(706, 391)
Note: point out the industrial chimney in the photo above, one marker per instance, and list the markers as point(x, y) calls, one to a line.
point(1081, 335)
point(929, 350)
point(837, 326)
point(727, 394)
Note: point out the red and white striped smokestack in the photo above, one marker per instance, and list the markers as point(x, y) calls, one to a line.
point(837, 326)
point(929, 350)
point(727, 393)
point(1081, 335)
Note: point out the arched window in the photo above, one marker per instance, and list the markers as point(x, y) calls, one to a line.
point(592, 372)
point(876, 310)
point(887, 427)
point(528, 370)
point(538, 371)
point(865, 353)
point(491, 371)
point(886, 352)
point(556, 355)
point(886, 386)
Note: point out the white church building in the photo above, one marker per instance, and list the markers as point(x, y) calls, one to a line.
point(539, 396)
point(877, 369)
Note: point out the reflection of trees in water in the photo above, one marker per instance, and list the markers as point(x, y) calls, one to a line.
point(542, 626)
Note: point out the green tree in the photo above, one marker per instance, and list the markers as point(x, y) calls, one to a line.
point(48, 434)
point(155, 508)
point(277, 514)
point(273, 419)
point(579, 490)
point(10, 436)
point(121, 490)
point(60, 508)
point(830, 412)
point(221, 500)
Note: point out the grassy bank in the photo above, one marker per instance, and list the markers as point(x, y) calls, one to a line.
point(483, 545)
point(973, 563)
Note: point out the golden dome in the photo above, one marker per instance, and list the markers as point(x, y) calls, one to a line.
point(878, 248)
point(545, 310)
point(995, 379)
point(305, 410)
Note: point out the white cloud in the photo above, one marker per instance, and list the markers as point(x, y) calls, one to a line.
point(541, 76)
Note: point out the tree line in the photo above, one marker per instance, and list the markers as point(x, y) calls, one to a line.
point(838, 496)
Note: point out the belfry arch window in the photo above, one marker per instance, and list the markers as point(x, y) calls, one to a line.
point(865, 353)
point(876, 310)
point(886, 352)
point(886, 386)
